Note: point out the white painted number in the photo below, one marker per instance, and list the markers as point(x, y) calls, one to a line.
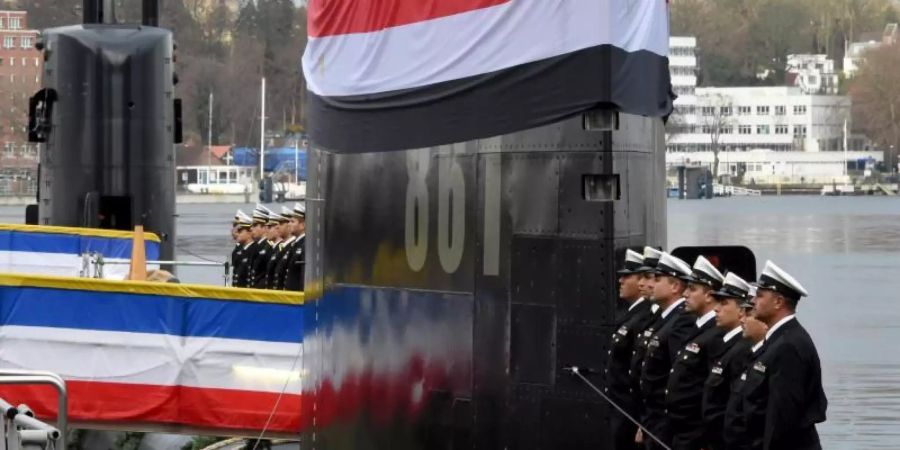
point(451, 226)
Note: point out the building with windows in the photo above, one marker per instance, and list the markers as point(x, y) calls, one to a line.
point(773, 118)
point(683, 71)
point(813, 74)
point(20, 78)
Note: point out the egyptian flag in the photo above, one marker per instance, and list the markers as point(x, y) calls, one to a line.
point(398, 74)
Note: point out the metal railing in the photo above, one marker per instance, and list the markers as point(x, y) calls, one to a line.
point(92, 265)
point(21, 430)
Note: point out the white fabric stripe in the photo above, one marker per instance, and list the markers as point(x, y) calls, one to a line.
point(478, 42)
point(155, 359)
point(62, 264)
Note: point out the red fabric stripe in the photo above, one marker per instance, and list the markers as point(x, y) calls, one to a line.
point(222, 409)
point(334, 17)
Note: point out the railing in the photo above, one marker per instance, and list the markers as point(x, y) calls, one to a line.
point(21, 430)
point(92, 265)
point(736, 191)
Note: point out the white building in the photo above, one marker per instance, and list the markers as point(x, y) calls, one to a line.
point(813, 74)
point(770, 167)
point(773, 118)
point(855, 52)
point(683, 71)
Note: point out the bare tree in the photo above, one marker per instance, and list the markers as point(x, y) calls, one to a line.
point(875, 92)
point(716, 114)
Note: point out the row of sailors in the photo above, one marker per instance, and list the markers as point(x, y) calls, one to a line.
point(269, 248)
point(708, 361)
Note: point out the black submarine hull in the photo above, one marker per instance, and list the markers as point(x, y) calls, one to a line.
point(449, 287)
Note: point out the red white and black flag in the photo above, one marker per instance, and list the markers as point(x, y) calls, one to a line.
point(398, 74)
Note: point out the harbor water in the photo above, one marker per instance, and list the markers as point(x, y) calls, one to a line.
point(845, 250)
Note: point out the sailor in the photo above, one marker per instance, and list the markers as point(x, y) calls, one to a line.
point(276, 222)
point(645, 284)
point(731, 306)
point(285, 249)
point(242, 256)
point(620, 386)
point(783, 398)
point(234, 237)
point(296, 265)
point(692, 364)
point(734, 428)
point(671, 330)
point(260, 231)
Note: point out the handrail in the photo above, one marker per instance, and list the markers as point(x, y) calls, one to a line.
point(16, 376)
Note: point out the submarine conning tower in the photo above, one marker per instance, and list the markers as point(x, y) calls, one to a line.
point(108, 120)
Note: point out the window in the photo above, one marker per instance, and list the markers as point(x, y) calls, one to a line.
point(9, 42)
point(726, 129)
point(799, 131)
point(14, 23)
point(762, 129)
point(26, 42)
point(780, 110)
point(799, 110)
point(744, 129)
point(725, 110)
point(743, 110)
point(708, 110)
point(762, 110)
point(8, 149)
point(781, 129)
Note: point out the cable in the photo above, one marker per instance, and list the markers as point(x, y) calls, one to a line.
point(278, 399)
point(180, 248)
point(574, 370)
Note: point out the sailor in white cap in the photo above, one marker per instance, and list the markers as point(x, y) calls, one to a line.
point(234, 237)
point(783, 394)
point(671, 330)
point(276, 226)
point(621, 384)
point(263, 247)
point(648, 279)
point(651, 257)
point(730, 310)
point(286, 248)
point(684, 392)
point(296, 263)
point(241, 256)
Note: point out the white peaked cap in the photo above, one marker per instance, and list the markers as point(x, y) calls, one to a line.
point(242, 216)
point(633, 257)
point(708, 270)
point(650, 252)
point(673, 266)
point(286, 212)
point(776, 279)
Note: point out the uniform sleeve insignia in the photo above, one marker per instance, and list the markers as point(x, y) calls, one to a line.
point(717, 370)
point(693, 347)
point(759, 367)
point(623, 331)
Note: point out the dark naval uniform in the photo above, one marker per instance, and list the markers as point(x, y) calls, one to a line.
point(296, 266)
point(242, 266)
point(284, 254)
point(235, 257)
point(621, 383)
point(735, 433)
point(258, 264)
point(684, 392)
point(671, 334)
point(783, 396)
point(717, 388)
point(274, 253)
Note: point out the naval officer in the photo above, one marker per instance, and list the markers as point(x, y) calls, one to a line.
point(296, 264)
point(242, 255)
point(286, 248)
point(263, 246)
point(671, 330)
point(620, 386)
point(276, 226)
point(645, 285)
point(735, 434)
point(783, 394)
point(731, 303)
point(693, 362)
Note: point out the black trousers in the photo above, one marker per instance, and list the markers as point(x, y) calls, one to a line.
point(623, 431)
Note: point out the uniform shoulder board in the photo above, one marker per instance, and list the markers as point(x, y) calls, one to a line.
point(693, 347)
point(759, 367)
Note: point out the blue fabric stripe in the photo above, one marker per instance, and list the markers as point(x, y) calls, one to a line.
point(141, 313)
point(72, 244)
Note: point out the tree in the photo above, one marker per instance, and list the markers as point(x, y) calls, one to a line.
point(716, 113)
point(875, 91)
